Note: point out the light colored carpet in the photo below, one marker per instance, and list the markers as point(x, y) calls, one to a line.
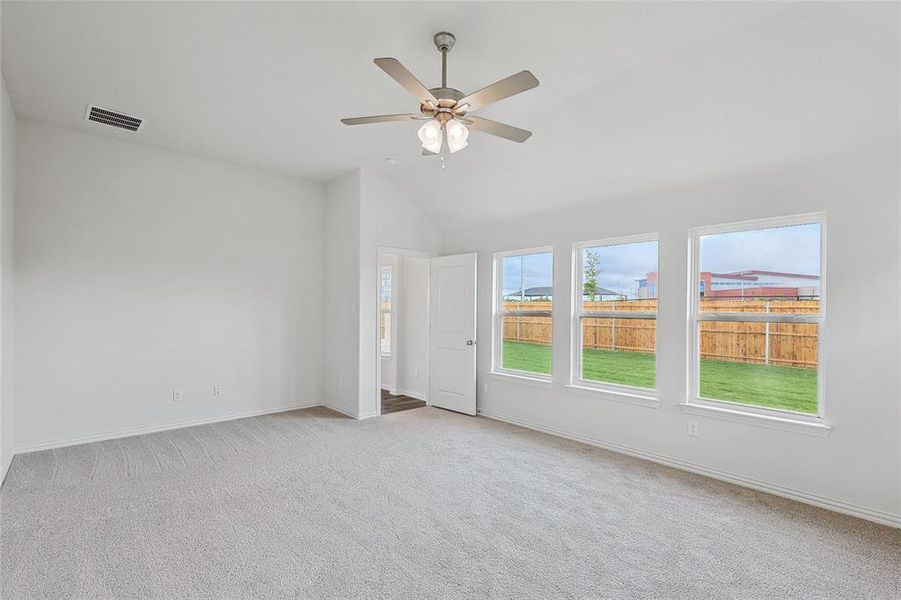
point(418, 504)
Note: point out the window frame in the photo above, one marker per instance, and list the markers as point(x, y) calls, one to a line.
point(498, 313)
point(695, 317)
point(577, 331)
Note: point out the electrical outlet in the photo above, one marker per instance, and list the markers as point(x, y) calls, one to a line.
point(177, 396)
point(485, 387)
point(416, 372)
point(693, 428)
point(217, 390)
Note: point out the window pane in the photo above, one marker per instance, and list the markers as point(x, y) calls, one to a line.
point(386, 287)
point(529, 277)
point(528, 286)
point(385, 331)
point(385, 310)
point(761, 270)
point(620, 351)
point(773, 365)
point(527, 344)
point(620, 277)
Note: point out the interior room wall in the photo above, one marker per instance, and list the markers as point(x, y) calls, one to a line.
point(857, 468)
point(141, 271)
point(342, 293)
point(7, 279)
point(387, 219)
point(413, 363)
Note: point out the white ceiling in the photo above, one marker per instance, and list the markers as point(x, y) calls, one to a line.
point(633, 96)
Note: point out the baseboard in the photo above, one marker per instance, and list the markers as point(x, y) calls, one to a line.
point(346, 413)
point(99, 437)
point(4, 469)
point(353, 415)
point(877, 516)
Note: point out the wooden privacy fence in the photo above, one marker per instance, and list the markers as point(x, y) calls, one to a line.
point(789, 344)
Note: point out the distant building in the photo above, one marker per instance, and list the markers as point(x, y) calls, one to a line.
point(537, 294)
point(603, 295)
point(532, 294)
point(647, 287)
point(745, 284)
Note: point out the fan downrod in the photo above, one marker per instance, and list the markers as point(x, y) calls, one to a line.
point(447, 96)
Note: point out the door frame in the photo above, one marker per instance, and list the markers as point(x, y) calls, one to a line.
point(400, 253)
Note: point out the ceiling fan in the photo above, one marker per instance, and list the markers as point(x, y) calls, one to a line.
point(445, 110)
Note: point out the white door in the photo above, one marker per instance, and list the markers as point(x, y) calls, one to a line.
point(452, 345)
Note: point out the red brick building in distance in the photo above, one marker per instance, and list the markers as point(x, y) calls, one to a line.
point(745, 284)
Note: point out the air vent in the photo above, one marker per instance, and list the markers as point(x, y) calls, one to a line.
point(112, 118)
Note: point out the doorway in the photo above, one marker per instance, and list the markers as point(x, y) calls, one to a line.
point(403, 330)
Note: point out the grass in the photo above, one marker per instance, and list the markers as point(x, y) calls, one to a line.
point(625, 368)
point(523, 356)
point(771, 386)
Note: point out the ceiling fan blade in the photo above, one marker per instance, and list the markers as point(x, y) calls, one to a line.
point(401, 75)
point(515, 84)
point(381, 119)
point(507, 132)
point(428, 153)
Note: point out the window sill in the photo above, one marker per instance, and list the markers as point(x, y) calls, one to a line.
point(544, 382)
point(786, 423)
point(649, 399)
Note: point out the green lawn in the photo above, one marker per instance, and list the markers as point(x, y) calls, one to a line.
point(786, 388)
point(522, 356)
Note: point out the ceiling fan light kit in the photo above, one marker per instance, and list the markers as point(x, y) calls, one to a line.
point(446, 110)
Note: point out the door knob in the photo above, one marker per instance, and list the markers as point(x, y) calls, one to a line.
point(470, 342)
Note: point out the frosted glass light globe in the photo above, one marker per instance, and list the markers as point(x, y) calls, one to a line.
point(457, 134)
point(430, 135)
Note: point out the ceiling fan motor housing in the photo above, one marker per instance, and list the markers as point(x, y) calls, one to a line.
point(447, 100)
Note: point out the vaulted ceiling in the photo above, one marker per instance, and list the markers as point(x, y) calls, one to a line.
point(633, 96)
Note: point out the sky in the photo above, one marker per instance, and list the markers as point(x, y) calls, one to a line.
point(624, 264)
point(794, 249)
point(620, 266)
point(530, 270)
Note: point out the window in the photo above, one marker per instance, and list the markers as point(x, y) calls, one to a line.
point(756, 318)
point(523, 328)
point(385, 311)
point(615, 324)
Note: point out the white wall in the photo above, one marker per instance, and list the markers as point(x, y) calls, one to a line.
point(365, 211)
point(413, 362)
point(858, 467)
point(342, 293)
point(7, 294)
point(387, 219)
point(139, 271)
